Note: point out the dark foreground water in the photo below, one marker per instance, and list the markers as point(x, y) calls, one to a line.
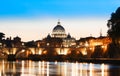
point(42, 68)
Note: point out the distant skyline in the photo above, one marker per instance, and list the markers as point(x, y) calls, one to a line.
point(34, 19)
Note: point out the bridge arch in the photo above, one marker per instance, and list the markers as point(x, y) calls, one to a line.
point(4, 52)
point(23, 53)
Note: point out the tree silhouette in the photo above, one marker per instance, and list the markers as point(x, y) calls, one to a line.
point(2, 35)
point(114, 33)
point(114, 26)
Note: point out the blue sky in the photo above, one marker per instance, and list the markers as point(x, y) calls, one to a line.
point(32, 8)
point(33, 14)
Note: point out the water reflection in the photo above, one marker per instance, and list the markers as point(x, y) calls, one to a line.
point(42, 68)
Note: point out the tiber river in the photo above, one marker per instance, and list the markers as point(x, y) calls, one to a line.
point(43, 68)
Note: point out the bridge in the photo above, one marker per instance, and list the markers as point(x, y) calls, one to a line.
point(24, 52)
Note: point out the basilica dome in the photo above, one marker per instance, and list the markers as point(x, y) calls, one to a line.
point(59, 27)
point(58, 31)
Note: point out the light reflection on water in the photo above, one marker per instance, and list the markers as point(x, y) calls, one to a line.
point(42, 68)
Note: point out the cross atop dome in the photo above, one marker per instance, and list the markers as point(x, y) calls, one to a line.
point(58, 22)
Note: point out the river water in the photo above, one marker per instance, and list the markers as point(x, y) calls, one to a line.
point(43, 68)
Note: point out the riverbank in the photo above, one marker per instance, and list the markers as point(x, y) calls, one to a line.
point(62, 58)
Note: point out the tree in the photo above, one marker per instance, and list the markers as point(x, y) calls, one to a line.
point(114, 26)
point(114, 33)
point(2, 35)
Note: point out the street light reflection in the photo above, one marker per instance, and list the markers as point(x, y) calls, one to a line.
point(43, 68)
point(91, 69)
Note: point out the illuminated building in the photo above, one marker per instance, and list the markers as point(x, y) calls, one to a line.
point(59, 31)
point(59, 43)
point(58, 40)
point(59, 37)
point(89, 44)
point(69, 41)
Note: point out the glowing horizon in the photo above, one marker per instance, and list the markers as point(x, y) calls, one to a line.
point(34, 30)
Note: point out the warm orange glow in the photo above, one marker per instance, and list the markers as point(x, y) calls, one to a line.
point(104, 47)
point(56, 62)
point(33, 50)
point(69, 52)
point(86, 44)
point(39, 52)
point(63, 51)
point(23, 50)
point(47, 68)
point(6, 51)
point(81, 69)
point(64, 72)
point(23, 44)
point(29, 66)
point(102, 69)
point(39, 67)
point(48, 44)
point(78, 52)
point(38, 45)
point(14, 50)
point(74, 69)
point(43, 67)
point(91, 69)
point(44, 52)
point(84, 51)
point(23, 68)
point(0, 44)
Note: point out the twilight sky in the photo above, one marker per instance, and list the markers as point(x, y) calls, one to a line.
point(34, 19)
